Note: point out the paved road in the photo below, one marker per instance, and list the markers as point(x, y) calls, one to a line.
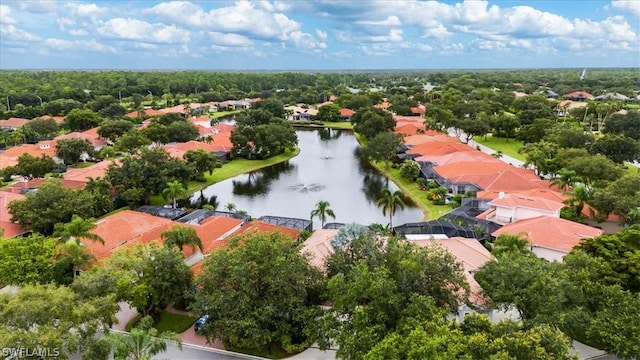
point(189, 352)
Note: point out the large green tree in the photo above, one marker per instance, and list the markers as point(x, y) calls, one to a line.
point(181, 236)
point(202, 160)
point(114, 129)
point(174, 190)
point(618, 148)
point(54, 318)
point(81, 119)
point(148, 277)
point(32, 167)
point(142, 342)
point(50, 205)
point(382, 147)
point(27, 260)
point(71, 150)
point(371, 121)
point(257, 292)
point(373, 281)
point(329, 112)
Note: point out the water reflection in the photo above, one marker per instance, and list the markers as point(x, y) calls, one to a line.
point(256, 183)
point(326, 169)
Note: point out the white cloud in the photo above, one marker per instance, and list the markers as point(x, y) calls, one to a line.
point(85, 10)
point(631, 6)
point(322, 35)
point(64, 22)
point(183, 12)
point(437, 32)
point(10, 32)
point(134, 29)
point(233, 40)
point(80, 45)
point(78, 32)
point(38, 6)
point(4, 15)
point(389, 21)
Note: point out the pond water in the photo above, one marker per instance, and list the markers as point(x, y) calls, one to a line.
point(327, 168)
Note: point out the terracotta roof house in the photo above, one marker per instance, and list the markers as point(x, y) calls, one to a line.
point(213, 232)
point(383, 105)
point(97, 170)
point(318, 246)
point(578, 96)
point(510, 208)
point(178, 109)
point(418, 111)
point(551, 238)
point(261, 226)
point(413, 140)
point(410, 129)
point(439, 148)
point(9, 229)
point(145, 114)
point(408, 119)
point(125, 228)
point(503, 180)
point(455, 157)
point(13, 123)
point(90, 135)
point(548, 194)
point(346, 114)
point(10, 156)
point(472, 255)
point(23, 187)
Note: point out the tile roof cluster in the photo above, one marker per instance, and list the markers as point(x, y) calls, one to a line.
point(13, 123)
point(550, 232)
point(178, 150)
point(439, 147)
point(503, 180)
point(578, 95)
point(9, 229)
point(456, 157)
point(429, 137)
point(146, 113)
point(97, 170)
point(90, 135)
point(10, 156)
point(344, 112)
point(524, 201)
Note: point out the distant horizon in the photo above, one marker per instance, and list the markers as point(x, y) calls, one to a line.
point(329, 70)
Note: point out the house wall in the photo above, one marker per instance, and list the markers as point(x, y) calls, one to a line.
point(548, 254)
point(522, 213)
point(495, 315)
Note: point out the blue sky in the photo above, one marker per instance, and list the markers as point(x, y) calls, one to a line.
point(323, 35)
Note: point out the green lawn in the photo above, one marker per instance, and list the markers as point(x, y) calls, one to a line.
point(167, 322)
point(233, 168)
point(345, 125)
point(412, 190)
point(630, 169)
point(219, 114)
point(507, 146)
point(82, 164)
point(276, 351)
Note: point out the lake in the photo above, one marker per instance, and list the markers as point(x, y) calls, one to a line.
point(327, 168)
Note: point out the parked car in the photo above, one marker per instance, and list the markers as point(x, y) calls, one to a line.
point(201, 321)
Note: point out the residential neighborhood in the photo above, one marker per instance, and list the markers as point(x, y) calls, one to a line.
point(270, 226)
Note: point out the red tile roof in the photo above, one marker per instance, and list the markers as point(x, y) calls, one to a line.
point(261, 226)
point(125, 228)
point(96, 170)
point(37, 182)
point(12, 154)
point(346, 112)
point(13, 123)
point(145, 113)
point(58, 119)
point(318, 246)
point(9, 228)
point(90, 135)
point(179, 109)
point(506, 180)
point(456, 157)
point(411, 129)
point(462, 168)
point(418, 110)
point(578, 95)
point(429, 137)
point(213, 233)
point(439, 148)
point(518, 200)
point(548, 194)
point(550, 232)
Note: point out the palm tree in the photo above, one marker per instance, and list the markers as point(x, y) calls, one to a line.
point(321, 211)
point(142, 343)
point(69, 235)
point(389, 202)
point(511, 244)
point(580, 195)
point(78, 228)
point(564, 180)
point(497, 155)
point(174, 190)
point(181, 236)
point(230, 207)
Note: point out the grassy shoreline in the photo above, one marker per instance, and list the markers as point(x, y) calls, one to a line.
point(412, 190)
point(233, 168)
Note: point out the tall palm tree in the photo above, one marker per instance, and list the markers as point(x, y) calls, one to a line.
point(321, 211)
point(142, 343)
point(230, 207)
point(70, 234)
point(174, 190)
point(390, 202)
point(182, 236)
point(564, 180)
point(76, 229)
